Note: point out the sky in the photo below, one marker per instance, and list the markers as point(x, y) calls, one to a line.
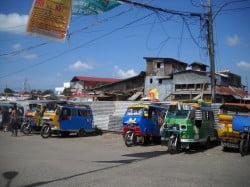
point(112, 44)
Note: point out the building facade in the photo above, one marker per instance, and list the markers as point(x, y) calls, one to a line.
point(79, 84)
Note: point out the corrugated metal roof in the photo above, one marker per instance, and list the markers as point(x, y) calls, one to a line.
point(223, 90)
point(96, 79)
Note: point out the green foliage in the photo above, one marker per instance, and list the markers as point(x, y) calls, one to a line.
point(8, 90)
point(67, 92)
point(48, 92)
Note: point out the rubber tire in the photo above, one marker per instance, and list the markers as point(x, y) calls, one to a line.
point(146, 140)
point(127, 140)
point(98, 131)
point(208, 143)
point(225, 149)
point(172, 149)
point(45, 131)
point(243, 147)
point(64, 133)
point(156, 140)
point(26, 129)
point(81, 133)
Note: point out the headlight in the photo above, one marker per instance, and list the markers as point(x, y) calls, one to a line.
point(183, 127)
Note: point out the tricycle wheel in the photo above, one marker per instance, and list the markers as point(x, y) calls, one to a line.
point(64, 133)
point(81, 133)
point(26, 129)
point(243, 147)
point(156, 140)
point(98, 131)
point(225, 148)
point(146, 140)
point(130, 139)
point(45, 131)
point(171, 146)
point(207, 143)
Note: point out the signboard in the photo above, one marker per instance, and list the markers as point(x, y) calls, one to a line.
point(50, 18)
point(93, 6)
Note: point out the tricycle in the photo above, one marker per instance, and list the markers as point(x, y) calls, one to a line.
point(187, 124)
point(141, 123)
point(242, 125)
point(33, 117)
point(229, 137)
point(69, 118)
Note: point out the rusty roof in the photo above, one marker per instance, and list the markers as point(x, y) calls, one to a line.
point(224, 90)
point(94, 79)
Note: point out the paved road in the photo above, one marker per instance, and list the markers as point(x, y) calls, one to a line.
point(106, 161)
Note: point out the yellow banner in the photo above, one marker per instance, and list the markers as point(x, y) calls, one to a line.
point(50, 18)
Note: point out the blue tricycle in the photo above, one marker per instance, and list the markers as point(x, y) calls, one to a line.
point(242, 124)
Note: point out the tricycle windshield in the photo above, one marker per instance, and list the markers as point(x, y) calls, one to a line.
point(134, 111)
point(180, 114)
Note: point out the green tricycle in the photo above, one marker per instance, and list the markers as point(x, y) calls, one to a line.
point(187, 124)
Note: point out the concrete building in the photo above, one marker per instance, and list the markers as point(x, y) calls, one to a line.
point(59, 90)
point(167, 79)
point(175, 80)
point(159, 76)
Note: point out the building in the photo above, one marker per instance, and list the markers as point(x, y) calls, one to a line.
point(59, 90)
point(79, 84)
point(175, 80)
point(165, 79)
point(125, 89)
point(159, 76)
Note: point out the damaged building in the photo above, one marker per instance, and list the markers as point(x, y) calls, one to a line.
point(126, 89)
point(168, 79)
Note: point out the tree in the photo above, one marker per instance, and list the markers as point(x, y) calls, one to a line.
point(8, 91)
point(48, 92)
point(67, 92)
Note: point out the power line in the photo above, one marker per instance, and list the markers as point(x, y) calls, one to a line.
point(79, 46)
point(69, 34)
point(24, 49)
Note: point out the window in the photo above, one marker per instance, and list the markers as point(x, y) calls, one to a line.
point(74, 112)
point(151, 81)
point(65, 114)
point(83, 113)
point(160, 81)
point(190, 86)
point(198, 86)
point(158, 64)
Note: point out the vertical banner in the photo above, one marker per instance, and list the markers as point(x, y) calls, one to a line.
point(87, 7)
point(50, 18)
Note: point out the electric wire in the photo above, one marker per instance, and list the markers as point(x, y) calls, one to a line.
point(77, 47)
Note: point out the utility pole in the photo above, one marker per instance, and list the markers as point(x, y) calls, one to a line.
point(211, 50)
point(210, 39)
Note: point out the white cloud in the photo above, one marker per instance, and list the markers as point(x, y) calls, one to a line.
point(244, 65)
point(124, 74)
point(233, 40)
point(13, 23)
point(17, 46)
point(80, 66)
point(30, 56)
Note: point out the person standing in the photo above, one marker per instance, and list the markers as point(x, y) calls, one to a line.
point(14, 121)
